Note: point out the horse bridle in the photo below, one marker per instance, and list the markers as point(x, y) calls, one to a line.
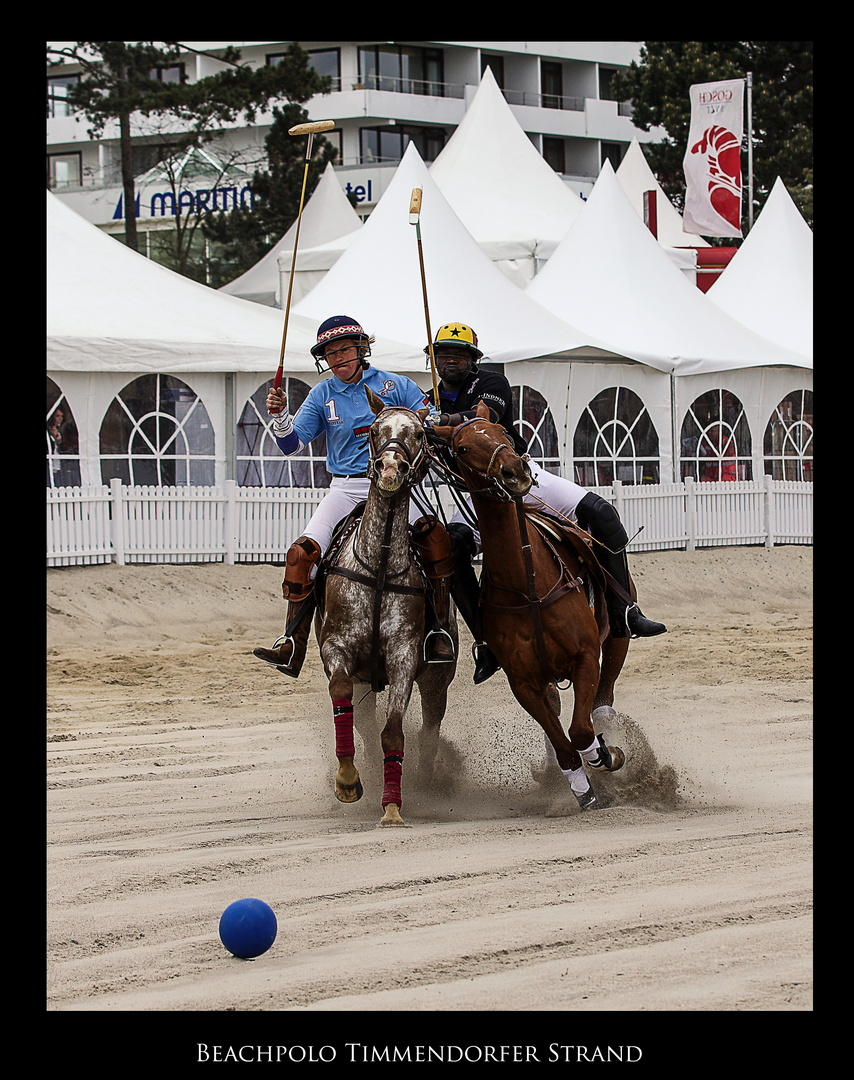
point(414, 470)
point(492, 487)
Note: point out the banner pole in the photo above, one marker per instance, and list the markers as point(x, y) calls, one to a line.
point(749, 150)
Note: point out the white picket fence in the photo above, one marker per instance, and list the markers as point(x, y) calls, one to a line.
point(234, 524)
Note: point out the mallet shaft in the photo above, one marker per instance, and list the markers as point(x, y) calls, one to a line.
point(415, 219)
point(310, 129)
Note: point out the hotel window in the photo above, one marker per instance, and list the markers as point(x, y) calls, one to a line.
point(389, 143)
point(58, 89)
point(496, 64)
point(402, 69)
point(551, 75)
point(64, 170)
point(174, 73)
point(327, 62)
point(553, 152)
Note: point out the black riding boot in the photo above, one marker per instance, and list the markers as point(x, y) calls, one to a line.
point(626, 620)
point(466, 592)
point(603, 523)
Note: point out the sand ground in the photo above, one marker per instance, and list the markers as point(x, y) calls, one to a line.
point(184, 774)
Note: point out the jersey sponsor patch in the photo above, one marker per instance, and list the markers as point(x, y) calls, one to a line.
point(362, 432)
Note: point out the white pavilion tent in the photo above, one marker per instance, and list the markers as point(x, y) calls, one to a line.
point(327, 216)
point(610, 277)
point(504, 192)
point(377, 280)
point(113, 315)
point(768, 284)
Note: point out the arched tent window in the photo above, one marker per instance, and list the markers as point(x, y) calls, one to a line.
point(157, 431)
point(789, 438)
point(715, 441)
point(63, 446)
point(537, 427)
point(616, 440)
point(260, 462)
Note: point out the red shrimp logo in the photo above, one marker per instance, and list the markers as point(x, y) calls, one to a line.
point(723, 158)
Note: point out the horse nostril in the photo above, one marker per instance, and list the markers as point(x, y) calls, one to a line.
point(403, 467)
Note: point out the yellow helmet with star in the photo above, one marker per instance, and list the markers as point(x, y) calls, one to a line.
point(457, 334)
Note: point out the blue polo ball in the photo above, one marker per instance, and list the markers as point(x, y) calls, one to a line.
point(247, 928)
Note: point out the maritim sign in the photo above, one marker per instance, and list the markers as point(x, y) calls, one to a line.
point(156, 202)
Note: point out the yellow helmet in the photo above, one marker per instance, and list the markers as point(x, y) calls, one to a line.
point(457, 333)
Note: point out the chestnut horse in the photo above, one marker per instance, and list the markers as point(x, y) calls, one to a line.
point(543, 601)
point(370, 622)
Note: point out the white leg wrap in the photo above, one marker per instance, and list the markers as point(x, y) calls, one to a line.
point(577, 780)
point(591, 754)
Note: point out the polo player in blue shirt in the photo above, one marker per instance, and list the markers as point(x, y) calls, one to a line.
point(338, 408)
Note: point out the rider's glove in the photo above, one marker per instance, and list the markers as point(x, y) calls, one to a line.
point(283, 424)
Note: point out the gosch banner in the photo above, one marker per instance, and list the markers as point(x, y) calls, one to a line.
point(712, 159)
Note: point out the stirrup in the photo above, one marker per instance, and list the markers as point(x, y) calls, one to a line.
point(283, 639)
point(430, 634)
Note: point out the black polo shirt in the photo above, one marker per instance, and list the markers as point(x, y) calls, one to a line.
point(490, 387)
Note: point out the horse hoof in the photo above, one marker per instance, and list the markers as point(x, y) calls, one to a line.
point(587, 800)
point(349, 794)
point(392, 816)
point(618, 758)
point(603, 715)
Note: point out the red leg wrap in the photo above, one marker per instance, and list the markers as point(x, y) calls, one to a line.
point(342, 711)
point(392, 769)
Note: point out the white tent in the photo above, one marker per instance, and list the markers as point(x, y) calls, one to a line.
point(113, 315)
point(111, 309)
point(327, 215)
point(504, 192)
point(768, 284)
point(610, 277)
point(378, 280)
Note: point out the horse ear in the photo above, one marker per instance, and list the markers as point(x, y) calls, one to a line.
point(482, 410)
point(422, 414)
point(377, 404)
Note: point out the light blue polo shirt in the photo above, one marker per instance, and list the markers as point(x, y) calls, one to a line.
point(341, 411)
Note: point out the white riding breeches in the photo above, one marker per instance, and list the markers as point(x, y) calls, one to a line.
point(344, 494)
point(551, 493)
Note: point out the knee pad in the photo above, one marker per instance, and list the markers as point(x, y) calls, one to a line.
point(601, 520)
point(431, 539)
point(303, 555)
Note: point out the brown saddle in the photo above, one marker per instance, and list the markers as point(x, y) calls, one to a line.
point(574, 537)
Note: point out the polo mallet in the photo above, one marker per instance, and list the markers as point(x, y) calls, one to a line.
point(300, 129)
point(415, 219)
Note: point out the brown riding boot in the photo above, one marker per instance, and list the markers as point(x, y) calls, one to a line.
point(288, 651)
point(431, 540)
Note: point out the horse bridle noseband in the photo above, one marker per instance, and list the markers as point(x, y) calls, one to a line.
point(415, 470)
